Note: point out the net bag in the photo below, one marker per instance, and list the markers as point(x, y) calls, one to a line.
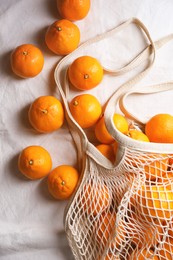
point(122, 210)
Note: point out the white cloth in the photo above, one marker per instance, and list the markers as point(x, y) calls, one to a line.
point(31, 221)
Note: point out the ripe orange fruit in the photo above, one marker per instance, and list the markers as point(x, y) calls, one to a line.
point(115, 147)
point(102, 133)
point(34, 162)
point(120, 236)
point(105, 229)
point(159, 128)
point(107, 150)
point(166, 251)
point(142, 255)
point(85, 109)
point(170, 230)
point(27, 61)
point(62, 37)
point(62, 181)
point(141, 234)
point(155, 202)
point(120, 123)
point(85, 73)
point(171, 161)
point(166, 178)
point(46, 114)
point(137, 135)
point(155, 165)
point(95, 198)
point(73, 9)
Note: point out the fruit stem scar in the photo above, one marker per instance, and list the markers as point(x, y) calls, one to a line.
point(59, 28)
point(75, 103)
point(86, 76)
point(30, 162)
point(44, 111)
point(63, 183)
point(25, 53)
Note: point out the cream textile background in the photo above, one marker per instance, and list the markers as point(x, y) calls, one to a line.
point(31, 222)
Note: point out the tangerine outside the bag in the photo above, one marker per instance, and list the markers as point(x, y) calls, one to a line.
point(122, 210)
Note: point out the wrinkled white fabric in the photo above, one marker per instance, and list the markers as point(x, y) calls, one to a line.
point(31, 221)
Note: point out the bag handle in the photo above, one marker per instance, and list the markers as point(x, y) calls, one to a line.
point(119, 98)
point(148, 90)
point(63, 87)
point(142, 56)
point(62, 83)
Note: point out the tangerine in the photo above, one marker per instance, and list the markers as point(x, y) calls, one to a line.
point(120, 123)
point(62, 37)
point(62, 181)
point(171, 161)
point(155, 202)
point(85, 109)
point(155, 165)
point(144, 254)
point(34, 162)
point(73, 9)
point(167, 178)
point(105, 229)
point(107, 150)
point(170, 230)
point(152, 165)
point(140, 233)
point(85, 73)
point(95, 198)
point(159, 128)
point(166, 251)
point(46, 114)
point(102, 133)
point(115, 147)
point(27, 61)
point(137, 135)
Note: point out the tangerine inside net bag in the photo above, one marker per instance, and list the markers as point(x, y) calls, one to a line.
point(121, 211)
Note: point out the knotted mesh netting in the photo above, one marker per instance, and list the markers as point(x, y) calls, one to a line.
point(125, 212)
point(121, 211)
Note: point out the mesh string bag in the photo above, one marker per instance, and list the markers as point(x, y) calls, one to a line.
point(122, 210)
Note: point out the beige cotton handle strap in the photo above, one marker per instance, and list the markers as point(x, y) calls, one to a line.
point(63, 86)
point(120, 97)
point(62, 83)
point(147, 90)
point(142, 56)
point(130, 66)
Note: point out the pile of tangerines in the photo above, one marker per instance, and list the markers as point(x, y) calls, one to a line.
point(46, 113)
